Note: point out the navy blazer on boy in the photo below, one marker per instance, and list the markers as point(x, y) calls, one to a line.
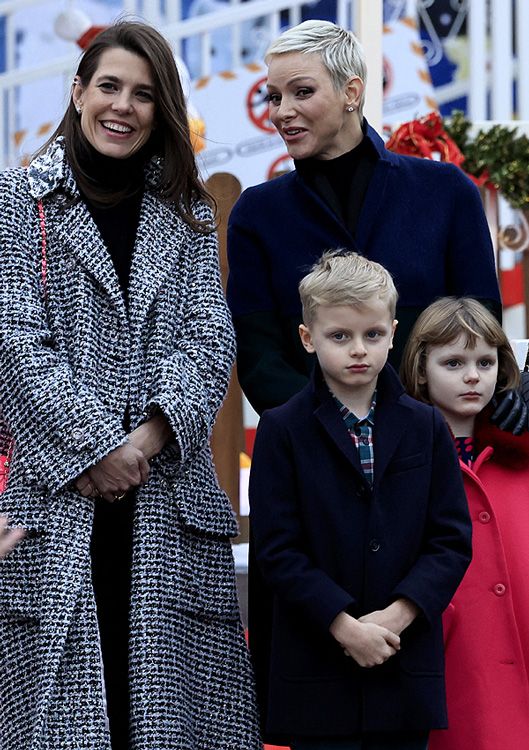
point(421, 220)
point(326, 542)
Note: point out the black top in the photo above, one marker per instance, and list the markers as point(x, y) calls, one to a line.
point(465, 449)
point(111, 544)
point(118, 222)
point(342, 182)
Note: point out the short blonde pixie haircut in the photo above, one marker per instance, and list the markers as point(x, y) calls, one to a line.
point(442, 323)
point(345, 278)
point(340, 51)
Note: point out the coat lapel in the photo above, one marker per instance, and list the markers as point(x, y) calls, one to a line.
point(376, 193)
point(68, 222)
point(390, 421)
point(75, 230)
point(331, 420)
point(155, 253)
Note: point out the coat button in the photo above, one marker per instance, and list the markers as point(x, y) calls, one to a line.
point(484, 517)
point(374, 545)
point(77, 434)
point(499, 589)
point(362, 492)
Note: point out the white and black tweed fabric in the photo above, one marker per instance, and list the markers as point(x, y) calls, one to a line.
point(70, 366)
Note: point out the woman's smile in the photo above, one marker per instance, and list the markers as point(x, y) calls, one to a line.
point(117, 106)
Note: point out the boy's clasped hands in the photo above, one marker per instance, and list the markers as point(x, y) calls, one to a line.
point(373, 638)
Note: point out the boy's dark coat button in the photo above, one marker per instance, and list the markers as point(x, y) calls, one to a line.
point(363, 492)
point(374, 545)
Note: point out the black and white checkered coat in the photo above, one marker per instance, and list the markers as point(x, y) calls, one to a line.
point(70, 365)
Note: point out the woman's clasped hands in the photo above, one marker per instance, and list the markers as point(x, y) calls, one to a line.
point(127, 466)
point(118, 472)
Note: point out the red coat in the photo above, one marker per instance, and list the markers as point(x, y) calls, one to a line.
point(487, 623)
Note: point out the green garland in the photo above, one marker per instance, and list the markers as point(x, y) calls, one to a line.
point(498, 153)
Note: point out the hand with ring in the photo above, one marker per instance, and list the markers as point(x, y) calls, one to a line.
point(119, 471)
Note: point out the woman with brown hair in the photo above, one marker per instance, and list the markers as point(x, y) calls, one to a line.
point(118, 610)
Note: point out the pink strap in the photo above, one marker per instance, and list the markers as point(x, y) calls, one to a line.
point(44, 267)
point(6, 460)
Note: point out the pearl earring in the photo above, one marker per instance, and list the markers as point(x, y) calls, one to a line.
point(78, 109)
point(350, 109)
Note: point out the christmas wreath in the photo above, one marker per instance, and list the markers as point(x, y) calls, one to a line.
point(497, 157)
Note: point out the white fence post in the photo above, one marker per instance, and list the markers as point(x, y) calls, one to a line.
point(522, 47)
point(502, 62)
point(477, 33)
point(368, 28)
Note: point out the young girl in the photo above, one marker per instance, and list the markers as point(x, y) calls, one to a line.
point(458, 358)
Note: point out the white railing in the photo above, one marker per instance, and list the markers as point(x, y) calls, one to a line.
point(492, 27)
point(272, 14)
point(496, 29)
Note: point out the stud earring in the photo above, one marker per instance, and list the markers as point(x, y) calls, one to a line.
point(350, 109)
point(78, 109)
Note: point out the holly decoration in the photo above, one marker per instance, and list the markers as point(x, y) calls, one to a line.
point(499, 152)
point(497, 158)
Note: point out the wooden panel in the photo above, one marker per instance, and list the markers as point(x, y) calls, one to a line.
point(227, 440)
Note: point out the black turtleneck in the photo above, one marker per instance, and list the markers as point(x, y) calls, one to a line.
point(118, 221)
point(342, 182)
point(111, 544)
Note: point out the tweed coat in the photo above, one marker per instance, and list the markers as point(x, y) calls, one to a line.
point(71, 365)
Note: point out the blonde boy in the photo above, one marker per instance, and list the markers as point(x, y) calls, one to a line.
point(361, 530)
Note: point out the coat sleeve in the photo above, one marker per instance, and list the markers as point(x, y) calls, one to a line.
point(189, 384)
point(280, 547)
point(471, 268)
point(59, 427)
point(266, 373)
point(447, 544)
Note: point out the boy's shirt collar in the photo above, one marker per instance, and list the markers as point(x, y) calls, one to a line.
point(350, 417)
point(361, 432)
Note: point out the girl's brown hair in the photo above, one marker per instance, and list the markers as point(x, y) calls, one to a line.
point(442, 323)
point(179, 182)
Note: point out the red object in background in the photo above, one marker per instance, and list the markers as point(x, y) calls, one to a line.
point(249, 436)
point(89, 35)
point(426, 137)
point(512, 286)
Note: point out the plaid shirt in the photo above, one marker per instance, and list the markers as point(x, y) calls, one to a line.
point(361, 432)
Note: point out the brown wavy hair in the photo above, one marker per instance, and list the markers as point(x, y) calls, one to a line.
point(442, 323)
point(179, 181)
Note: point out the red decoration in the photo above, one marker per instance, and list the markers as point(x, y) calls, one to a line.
point(426, 137)
point(89, 35)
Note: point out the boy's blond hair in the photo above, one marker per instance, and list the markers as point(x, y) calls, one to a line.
point(442, 323)
point(345, 278)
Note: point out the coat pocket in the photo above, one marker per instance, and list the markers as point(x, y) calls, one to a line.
point(22, 570)
point(21, 578)
point(422, 650)
point(404, 463)
point(207, 587)
point(206, 510)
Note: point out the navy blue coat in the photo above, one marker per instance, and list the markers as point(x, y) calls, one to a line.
point(422, 220)
point(325, 542)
